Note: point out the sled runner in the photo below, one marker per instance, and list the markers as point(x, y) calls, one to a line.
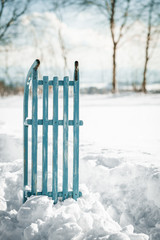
point(34, 122)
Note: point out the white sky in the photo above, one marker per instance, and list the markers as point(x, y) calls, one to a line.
point(85, 40)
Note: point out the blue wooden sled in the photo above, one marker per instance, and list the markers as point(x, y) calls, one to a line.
point(32, 79)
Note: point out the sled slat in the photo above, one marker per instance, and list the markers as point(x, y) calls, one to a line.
point(55, 140)
point(65, 138)
point(34, 132)
point(76, 134)
point(45, 136)
point(50, 122)
point(60, 82)
point(49, 194)
point(25, 136)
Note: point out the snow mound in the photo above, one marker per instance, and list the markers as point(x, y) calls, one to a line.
point(153, 188)
point(119, 175)
point(118, 236)
point(38, 218)
point(65, 220)
point(85, 218)
point(35, 208)
point(3, 204)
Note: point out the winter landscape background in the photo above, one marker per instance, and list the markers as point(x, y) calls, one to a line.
point(120, 139)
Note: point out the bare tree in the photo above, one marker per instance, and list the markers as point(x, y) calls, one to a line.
point(56, 7)
point(10, 13)
point(39, 26)
point(116, 13)
point(111, 11)
point(6, 70)
point(63, 48)
point(153, 22)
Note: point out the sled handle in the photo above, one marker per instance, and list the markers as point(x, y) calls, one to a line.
point(32, 69)
point(35, 65)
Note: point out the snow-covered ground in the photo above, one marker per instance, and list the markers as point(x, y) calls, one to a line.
point(119, 173)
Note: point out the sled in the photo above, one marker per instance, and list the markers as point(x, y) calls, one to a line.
point(33, 83)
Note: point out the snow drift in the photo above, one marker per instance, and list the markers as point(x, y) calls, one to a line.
point(119, 175)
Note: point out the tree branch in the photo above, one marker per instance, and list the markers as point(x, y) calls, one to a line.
point(112, 23)
point(124, 21)
point(2, 7)
point(6, 26)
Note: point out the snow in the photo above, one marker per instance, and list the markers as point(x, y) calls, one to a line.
point(119, 173)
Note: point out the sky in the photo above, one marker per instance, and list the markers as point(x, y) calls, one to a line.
point(86, 39)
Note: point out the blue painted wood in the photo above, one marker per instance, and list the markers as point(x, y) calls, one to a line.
point(34, 122)
point(35, 65)
point(25, 140)
point(65, 137)
point(45, 136)
point(55, 141)
point(34, 132)
point(76, 134)
point(50, 194)
point(50, 122)
point(60, 82)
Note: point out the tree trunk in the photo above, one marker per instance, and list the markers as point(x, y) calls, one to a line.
point(146, 61)
point(114, 85)
point(147, 47)
point(144, 76)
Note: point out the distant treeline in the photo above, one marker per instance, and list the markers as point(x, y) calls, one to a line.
point(9, 89)
point(12, 89)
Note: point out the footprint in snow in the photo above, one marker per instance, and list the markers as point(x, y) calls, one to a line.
point(108, 162)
